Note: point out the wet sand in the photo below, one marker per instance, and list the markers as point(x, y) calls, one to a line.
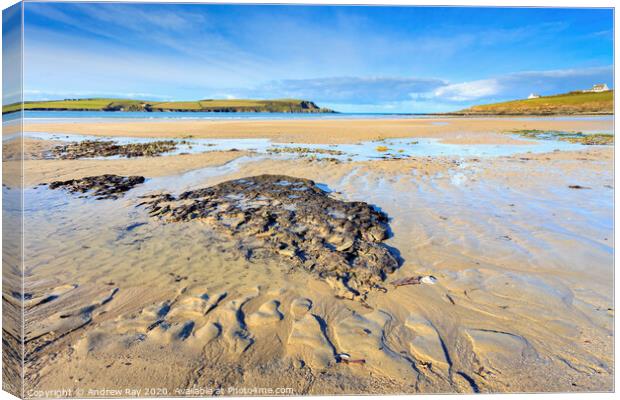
point(45, 171)
point(451, 130)
point(523, 299)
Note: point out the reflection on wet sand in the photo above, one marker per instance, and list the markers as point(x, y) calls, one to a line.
point(521, 298)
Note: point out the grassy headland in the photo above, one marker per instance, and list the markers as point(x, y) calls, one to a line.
point(102, 104)
point(573, 103)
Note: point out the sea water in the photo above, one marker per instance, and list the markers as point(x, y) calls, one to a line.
point(102, 116)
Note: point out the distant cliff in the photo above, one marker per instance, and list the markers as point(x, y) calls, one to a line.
point(574, 103)
point(98, 104)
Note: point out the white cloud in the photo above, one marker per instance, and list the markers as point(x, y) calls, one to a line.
point(354, 90)
point(468, 91)
point(55, 95)
point(519, 84)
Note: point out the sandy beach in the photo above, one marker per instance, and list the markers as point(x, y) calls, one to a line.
point(451, 130)
point(519, 246)
point(267, 200)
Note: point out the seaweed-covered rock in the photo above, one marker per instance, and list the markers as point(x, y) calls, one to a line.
point(587, 139)
point(100, 187)
point(108, 148)
point(293, 218)
point(303, 151)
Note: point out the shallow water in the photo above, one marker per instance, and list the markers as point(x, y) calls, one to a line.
point(523, 267)
point(458, 195)
point(495, 233)
point(103, 116)
point(362, 151)
point(176, 184)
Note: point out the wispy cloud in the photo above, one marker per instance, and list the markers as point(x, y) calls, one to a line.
point(102, 20)
point(388, 93)
point(55, 95)
point(354, 58)
point(520, 84)
point(353, 90)
point(52, 57)
point(467, 91)
point(190, 35)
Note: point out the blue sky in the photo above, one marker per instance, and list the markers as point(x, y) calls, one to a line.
point(356, 59)
point(11, 54)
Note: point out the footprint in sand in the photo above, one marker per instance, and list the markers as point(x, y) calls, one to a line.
point(179, 320)
point(148, 319)
point(64, 322)
point(307, 342)
point(229, 322)
point(184, 319)
point(101, 340)
point(427, 345)
point(267, 313)
point(300, 306)
point(122, 332)
point(209, 332)
point(499, 351)
point(188, 307)
point(363, 337)
point(166, 332)
point(49, 297)
point(213, 301)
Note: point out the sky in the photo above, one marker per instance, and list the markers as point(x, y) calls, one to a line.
point(351, 59)
point(11, 54)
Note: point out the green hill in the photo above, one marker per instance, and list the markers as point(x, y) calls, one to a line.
point(573, 103)
point(102, 104)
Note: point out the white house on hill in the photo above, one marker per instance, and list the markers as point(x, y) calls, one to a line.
point(533, 96)
point(599, 87)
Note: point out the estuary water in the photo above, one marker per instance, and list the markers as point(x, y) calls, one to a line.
point(101, 116)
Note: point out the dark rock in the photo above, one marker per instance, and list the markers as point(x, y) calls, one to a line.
point(294, 219)
point(304, 151)
point(108, 148)
point(100, 187)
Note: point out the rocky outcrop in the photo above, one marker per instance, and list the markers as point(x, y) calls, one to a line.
point(108, 148)
point(100, 187)
point(292, 218)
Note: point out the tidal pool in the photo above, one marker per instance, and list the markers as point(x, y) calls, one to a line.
point(362, 151)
